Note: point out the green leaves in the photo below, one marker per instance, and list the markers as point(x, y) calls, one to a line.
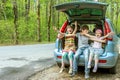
point(27, 29)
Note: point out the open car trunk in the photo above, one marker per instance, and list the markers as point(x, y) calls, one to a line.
point(83, 10)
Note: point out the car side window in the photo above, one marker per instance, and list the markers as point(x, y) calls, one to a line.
point(112, 26)
point(118, 35)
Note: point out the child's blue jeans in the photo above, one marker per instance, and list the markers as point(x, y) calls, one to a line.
point(85, 51)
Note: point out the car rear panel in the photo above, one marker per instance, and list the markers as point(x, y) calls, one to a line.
point(107, 61)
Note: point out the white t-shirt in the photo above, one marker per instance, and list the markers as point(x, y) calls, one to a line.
point(97, 44)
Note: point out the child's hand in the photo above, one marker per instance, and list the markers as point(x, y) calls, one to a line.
point(111, 34)
point(60, 35)
point(76, 23)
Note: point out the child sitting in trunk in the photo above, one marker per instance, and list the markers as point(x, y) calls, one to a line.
point(96, 48)
point(69, 48)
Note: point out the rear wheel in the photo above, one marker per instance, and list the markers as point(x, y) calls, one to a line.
point(59, 65)
point(112, 70)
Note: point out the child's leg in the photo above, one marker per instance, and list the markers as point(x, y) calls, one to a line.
point(76, 60)
point(64, 54)
point(96, 62)
point(70, 56)
point(90, 60)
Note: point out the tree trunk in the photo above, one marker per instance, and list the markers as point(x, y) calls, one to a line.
point(46, 8)
point(38, 31)
point(35, 1)
point(4, 1)
point(15, 10)
point(27, 9)
point(112, 10)
point(58, 15)
point(3, 11)
point(53, 14)
point(46, 18)
point(117, 14)
point(49, 20)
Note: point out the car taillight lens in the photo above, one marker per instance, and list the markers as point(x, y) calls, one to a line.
point(102, 61)
point(59, 57)
point(107, 30)
point(64, 26)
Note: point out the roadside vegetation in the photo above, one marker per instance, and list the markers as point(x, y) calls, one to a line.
point(32, 21)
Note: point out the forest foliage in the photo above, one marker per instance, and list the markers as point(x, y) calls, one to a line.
point(23, 21)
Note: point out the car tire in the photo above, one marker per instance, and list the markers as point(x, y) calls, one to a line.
point(112, 70)
point(59, 65)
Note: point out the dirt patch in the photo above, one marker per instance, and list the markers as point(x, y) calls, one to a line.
point(53, 74)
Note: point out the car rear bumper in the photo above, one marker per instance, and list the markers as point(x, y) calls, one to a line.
point(107, 61)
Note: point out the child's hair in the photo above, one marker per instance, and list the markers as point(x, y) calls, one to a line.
point(85, 27)
point(98, 30)
point(69, 26)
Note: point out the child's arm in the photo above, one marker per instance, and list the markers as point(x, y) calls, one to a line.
point(88, 35)
point(60, 34)
point(74, 32)
point(98, 40)
point(109, 34)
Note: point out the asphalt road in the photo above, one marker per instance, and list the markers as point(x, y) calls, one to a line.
point(20, 62)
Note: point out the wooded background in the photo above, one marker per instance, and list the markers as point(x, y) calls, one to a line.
point(24, 21)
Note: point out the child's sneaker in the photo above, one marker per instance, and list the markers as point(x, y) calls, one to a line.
point(73, 73)
point(70, 70)
point(87, 76)
point(95, 70)
point(61, 70)
point(89, 66)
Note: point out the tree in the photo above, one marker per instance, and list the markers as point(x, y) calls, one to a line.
point(33, 19)
point(3, 11)
point(112, 10)
point(58, 15)
point(38, 30)
point(49, 19)
point(27, 9)
point(15, 10)
point(53, 14)
point(117, 13)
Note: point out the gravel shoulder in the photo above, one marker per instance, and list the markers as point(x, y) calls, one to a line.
point(52, 73)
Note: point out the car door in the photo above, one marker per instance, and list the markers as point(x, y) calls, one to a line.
point(119, 42)
point(116, 38)
point(83, 10)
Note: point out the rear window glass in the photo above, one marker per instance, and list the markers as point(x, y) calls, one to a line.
point(78, 12)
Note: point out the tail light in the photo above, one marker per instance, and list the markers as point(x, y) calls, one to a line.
point(107, 30)
point(63, 28)
point(102, 61)
point(59, 57)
